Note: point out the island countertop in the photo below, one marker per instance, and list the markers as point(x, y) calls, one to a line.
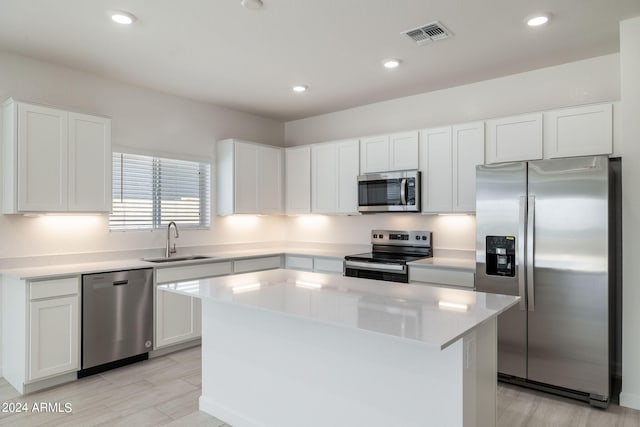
point(432, 315)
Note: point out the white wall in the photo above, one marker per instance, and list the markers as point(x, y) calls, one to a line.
point(630, 124)
point(582, 82)
point(142, 121)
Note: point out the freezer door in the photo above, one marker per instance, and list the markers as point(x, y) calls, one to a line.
point(501, 211)
point(568, 297)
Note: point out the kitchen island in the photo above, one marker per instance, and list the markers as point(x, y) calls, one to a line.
point(290, 348)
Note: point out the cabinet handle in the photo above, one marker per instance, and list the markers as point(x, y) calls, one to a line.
point(120, 282)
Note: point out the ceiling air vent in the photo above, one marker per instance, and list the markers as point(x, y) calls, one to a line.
point(428, 33)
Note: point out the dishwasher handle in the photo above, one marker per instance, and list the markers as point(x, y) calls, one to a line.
point(120, 282)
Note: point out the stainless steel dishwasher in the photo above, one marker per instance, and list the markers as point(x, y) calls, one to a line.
point(117, 319)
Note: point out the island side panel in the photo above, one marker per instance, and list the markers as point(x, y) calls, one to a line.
point(261, 368)
point(480, 362)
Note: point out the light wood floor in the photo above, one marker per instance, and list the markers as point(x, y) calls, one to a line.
point(165, 391)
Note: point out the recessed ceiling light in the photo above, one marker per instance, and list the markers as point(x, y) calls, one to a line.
point(300, 88)
point(122, 17)
point(538, 19)
point(391, 63)
point(251, 4)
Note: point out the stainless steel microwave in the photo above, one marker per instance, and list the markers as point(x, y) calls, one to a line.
point(389, 192)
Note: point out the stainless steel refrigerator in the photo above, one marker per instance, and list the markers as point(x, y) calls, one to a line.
point(543, 232)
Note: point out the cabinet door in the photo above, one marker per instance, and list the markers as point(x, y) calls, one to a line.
point(468, 152)
point(269, 180)
point(347, 153)
point(437, 175)
point(42, 159)
point(178, 318)
point(298, 180)
point(403, 151)
point(53, 337)
point(245, 178)
point(515, 138)
point(89, 163)
point(580, 131)
point(323, 178)
point(374, 154)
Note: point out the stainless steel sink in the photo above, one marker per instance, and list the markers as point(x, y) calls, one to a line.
point(177, 258)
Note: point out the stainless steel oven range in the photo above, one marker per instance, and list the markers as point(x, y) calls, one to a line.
point(390, 253)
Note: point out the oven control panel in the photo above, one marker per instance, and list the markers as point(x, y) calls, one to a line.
point(401, 238)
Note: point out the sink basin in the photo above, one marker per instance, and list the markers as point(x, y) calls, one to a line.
point(177, 258)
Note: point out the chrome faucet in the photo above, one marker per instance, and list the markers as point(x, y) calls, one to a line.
point(169, 249)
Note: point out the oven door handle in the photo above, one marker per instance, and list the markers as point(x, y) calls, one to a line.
point(403, 191)
point(375, 266)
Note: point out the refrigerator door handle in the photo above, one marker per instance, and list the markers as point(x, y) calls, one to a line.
point(531, 220)
point(520, 260)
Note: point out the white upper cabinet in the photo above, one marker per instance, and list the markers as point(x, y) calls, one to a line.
point(384, 153)
point(468, 152)
point(436, 166)
point(270, 182)
point(89, 163)
point(578, 131)
point(249, 178)
point(448, 159)
point(334, 174)
point(514, 138)
point(347, 153)
point(55, 160)
point(374, 154)
point(298, 180)
point(403, 151)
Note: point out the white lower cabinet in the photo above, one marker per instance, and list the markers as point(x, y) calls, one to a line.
point(257, 264)
point(298, 262)
point(441, 276)
point(41, 332)
point(178, 317)
point(328, 265)
point(318, 264)
point(53, 336)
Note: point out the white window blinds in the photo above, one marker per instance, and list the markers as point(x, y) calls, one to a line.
point(149, 192)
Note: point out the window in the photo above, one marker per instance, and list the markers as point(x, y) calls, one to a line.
point(149, 192)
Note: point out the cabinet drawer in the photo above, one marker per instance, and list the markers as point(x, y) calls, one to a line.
point(54, 288)
point(328, 265)
point(294, 262)
point(255, 264)
point(442, 276)
point(187, 272)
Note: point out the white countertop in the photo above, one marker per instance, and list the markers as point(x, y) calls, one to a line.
point(432, 315)
point(54, 269)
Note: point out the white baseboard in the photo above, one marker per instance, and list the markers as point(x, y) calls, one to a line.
point(630, 400)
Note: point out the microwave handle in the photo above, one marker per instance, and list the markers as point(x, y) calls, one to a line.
point(403, 191)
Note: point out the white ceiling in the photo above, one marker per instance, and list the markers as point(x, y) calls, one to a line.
point(217, 51)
